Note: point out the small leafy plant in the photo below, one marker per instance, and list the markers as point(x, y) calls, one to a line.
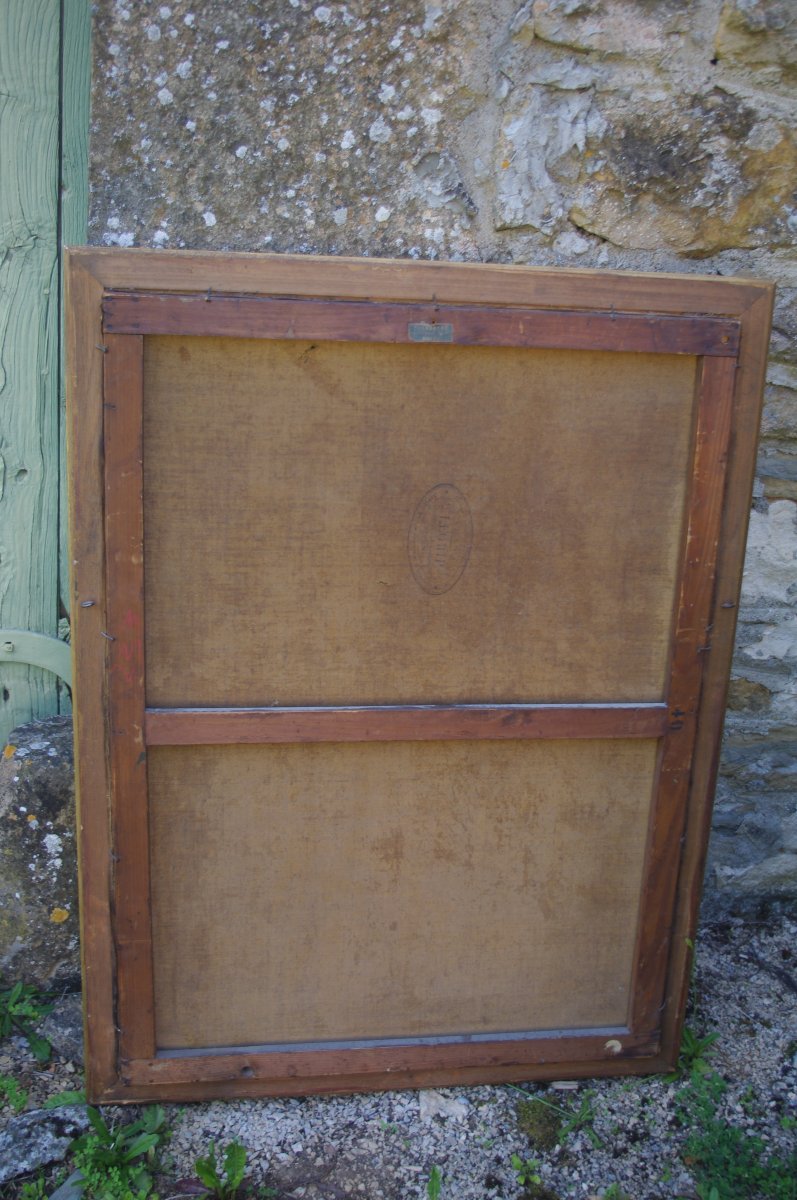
point(694, 1055)
point(222, 1178)
point(118, 1164)
point(434, 1184)
point(12, 1093)
point(21, 1008)
point(34, 1189)
point(527, 1170)
point(582, 1118)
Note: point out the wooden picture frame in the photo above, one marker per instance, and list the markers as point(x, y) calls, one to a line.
point(245, 422)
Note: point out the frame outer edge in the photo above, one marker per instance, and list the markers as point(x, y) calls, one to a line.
point(86, 517)
point(747, 406)
point(421, 281)
point(707, 498)
point(252, 1089)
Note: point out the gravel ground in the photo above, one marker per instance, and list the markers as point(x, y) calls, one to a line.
point(623, 1138)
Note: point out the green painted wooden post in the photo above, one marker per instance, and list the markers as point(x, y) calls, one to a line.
point(32, 135)
point(29, 367)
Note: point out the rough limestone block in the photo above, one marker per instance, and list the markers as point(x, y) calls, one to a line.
point(770, 570)
point(759, 33)
point(63, 1028)
point(790, 833)
point(37, 1138)
point(700, 174)
point(642, 30)
point(774, 876)
point(276, 126)
point(543, 138)
point(38, 869)
point(765, 667)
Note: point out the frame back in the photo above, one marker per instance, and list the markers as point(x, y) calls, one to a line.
point(404, 600)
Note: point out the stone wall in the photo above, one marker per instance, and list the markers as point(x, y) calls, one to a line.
point(647, 134)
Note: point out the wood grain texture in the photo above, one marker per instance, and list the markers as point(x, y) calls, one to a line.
point(124, 540)
point(399, 279)
point(690, 644)
point(29, 312)
point(204, 727)
point(359, 321)
point(564, 461)
point(746, 416)
point(87, 542)
point(394, 889)
point(644, 1059)
point(609, 1046)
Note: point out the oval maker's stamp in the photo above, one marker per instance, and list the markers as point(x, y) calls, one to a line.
point(440, 539)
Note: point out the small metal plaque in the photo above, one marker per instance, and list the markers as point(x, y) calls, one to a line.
point(423, 332)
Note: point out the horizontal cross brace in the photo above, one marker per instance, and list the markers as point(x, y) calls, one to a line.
point(391, 723)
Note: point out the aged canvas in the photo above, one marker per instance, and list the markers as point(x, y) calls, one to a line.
point(406, 596)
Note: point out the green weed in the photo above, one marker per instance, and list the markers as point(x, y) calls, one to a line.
point(118, 1164)
point(582, 1118)
point(21, 1008)
point(222, 1177)
point(529, 1177)
point(34, 1189)
point(526, 1169)
point(434, 1184)
point(729, 1163)
point(13, 1094)
point(694, 1055)
point(64, 1099)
